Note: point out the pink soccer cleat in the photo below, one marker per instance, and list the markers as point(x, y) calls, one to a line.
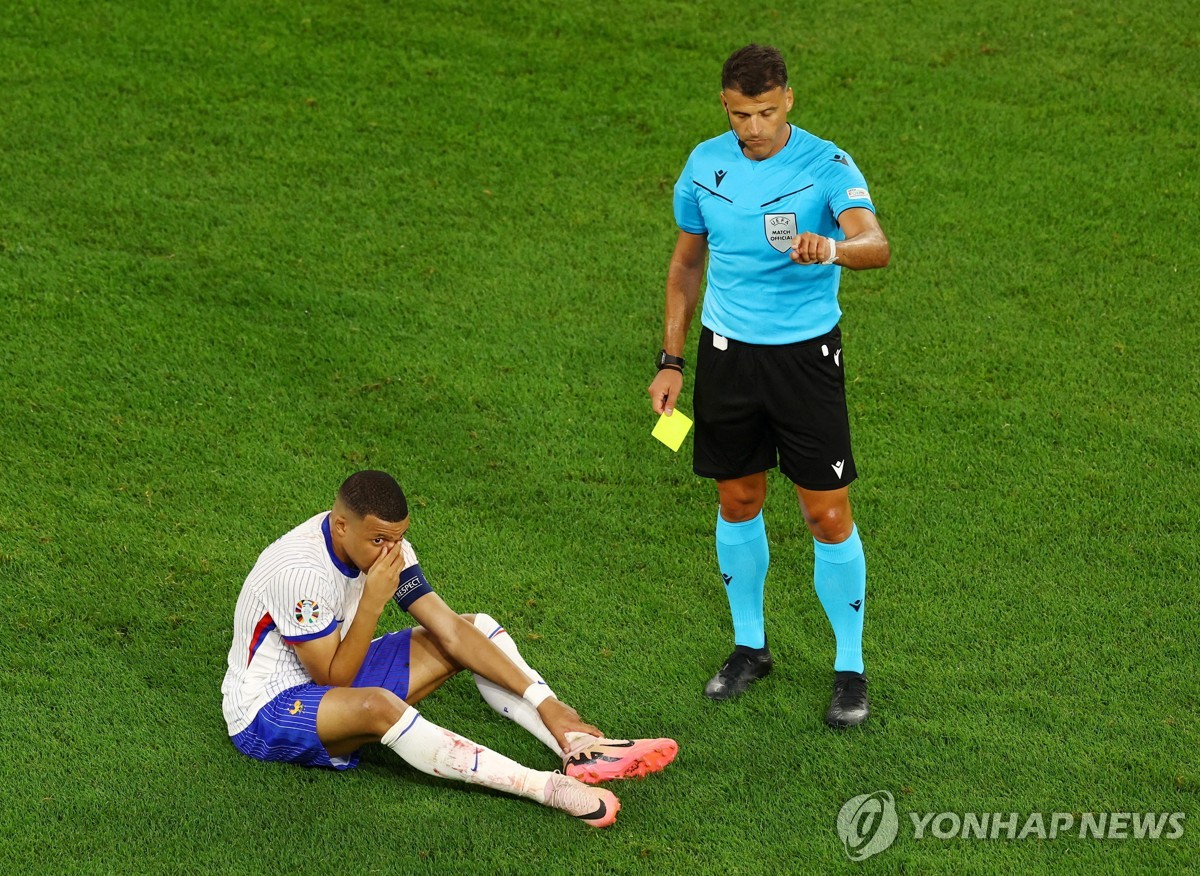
point(603, 759)
point(597, 807)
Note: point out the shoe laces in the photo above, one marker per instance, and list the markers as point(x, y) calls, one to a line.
point(737, 663)
point(570, 795)
point(852, 689)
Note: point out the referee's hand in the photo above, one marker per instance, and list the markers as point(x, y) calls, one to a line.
point(664, 389)
point(810, 249)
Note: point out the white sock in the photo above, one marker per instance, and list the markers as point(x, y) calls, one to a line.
point(437, 751)
point(506, 702)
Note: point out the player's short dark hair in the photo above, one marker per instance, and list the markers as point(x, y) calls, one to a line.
point(754, 70)
point(374, 493)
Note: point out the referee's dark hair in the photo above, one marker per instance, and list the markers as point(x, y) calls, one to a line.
point(754, 70)
point(374, 493)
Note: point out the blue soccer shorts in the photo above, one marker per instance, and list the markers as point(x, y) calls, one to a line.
point(285, 729)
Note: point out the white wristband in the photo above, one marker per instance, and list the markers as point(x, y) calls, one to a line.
point(832, 251)
point(536, 694)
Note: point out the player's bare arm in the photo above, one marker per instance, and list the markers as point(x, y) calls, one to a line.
point(334, 660)
point(865, 245)
point(468, 647)
point(683, 292)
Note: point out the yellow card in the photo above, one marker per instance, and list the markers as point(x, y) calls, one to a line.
point(672, 430)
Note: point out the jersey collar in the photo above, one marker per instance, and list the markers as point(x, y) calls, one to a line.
point(786, 147)
point(347, 569)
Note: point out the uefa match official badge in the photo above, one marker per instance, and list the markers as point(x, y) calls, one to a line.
point(780, 228)
point(307, 612)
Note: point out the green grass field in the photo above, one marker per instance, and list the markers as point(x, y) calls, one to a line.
point(247, 249)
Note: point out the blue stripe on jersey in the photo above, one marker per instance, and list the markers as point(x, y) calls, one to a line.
point(347, 569)
point(320, 634)
point(412, 586)
point(750, 210)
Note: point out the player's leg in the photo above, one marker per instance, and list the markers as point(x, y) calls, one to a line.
point(430, 665)
point(424, 665)
point(410, 663)
point(350, 717)
point(508, 704)
point(413, 664)
point(406, 666)
point(590, 759)
point(734, 446)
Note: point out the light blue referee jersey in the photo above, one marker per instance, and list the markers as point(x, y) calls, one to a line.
point(750, 211)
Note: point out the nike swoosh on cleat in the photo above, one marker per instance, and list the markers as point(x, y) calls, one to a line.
point(582, 758)
point(600, 812)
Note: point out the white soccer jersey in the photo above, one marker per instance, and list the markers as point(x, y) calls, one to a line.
point(297, 591)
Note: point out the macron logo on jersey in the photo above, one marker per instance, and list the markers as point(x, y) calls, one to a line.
point(720, 175)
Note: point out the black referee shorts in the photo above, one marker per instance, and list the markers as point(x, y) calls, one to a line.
point(757, 406)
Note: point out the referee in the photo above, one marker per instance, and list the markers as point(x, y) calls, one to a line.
point(778, 212)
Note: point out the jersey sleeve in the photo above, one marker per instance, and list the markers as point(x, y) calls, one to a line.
point(413, 584)
point(845, 186)
point(303, 603)
point(687, 209)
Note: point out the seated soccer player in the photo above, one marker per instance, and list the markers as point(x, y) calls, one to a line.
point(309, 683)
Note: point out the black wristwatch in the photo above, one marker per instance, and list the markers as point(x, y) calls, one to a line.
point(666, 360)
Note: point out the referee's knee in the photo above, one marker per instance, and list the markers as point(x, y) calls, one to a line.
point(739, 511)
point(742, 498)
point(831, 526)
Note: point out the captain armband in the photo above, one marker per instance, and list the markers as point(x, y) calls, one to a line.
point(412, 587)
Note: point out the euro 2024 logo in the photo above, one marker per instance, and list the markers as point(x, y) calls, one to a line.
point(867, 824)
